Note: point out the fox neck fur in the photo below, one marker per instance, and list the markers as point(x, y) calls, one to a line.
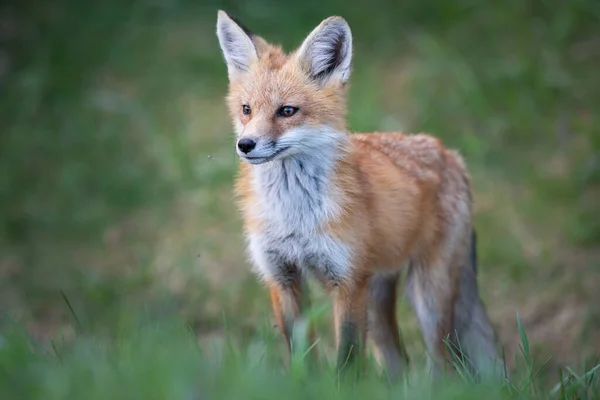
point(296, 193)
point(296, 199)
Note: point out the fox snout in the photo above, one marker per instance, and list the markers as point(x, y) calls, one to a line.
point(258, 150)
point(246, 145)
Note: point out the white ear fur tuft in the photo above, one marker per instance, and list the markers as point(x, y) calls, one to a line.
point(237, 46)
point(327, 51)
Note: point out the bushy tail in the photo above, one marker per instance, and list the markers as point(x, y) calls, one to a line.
point(474, 251)
point(475, 332)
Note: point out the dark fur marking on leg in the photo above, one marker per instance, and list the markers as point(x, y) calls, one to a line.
point(287, 273)
point(349, 342)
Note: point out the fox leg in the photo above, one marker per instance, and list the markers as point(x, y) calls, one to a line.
point(350, 315)
point(445, 297)
point(383, 326)
point(289, 299)
point(432, 290)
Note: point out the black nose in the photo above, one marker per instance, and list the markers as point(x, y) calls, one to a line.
point(246, 145)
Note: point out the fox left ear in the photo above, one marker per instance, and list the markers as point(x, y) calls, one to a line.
point(327, 52)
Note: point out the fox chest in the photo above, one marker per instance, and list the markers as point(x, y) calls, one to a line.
point(294, 201)
point(278, 256)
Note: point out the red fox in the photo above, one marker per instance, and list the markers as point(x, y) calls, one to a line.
point(352, 210)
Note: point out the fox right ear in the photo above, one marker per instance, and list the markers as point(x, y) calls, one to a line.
point(236, 43)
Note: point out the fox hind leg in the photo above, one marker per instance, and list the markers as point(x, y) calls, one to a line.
point(383, 328)
point(453, 319)
point(432, 294)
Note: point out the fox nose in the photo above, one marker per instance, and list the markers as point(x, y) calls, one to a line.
point(246, 145)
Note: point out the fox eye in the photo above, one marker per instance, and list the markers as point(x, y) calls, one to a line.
point(287, 111)
point(246, 109)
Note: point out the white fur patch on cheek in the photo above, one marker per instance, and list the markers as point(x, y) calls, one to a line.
point(324, 143)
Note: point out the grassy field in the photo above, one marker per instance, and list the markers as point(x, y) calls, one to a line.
point(122, 268)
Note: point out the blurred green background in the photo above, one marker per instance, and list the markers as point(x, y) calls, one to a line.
point(117, 157)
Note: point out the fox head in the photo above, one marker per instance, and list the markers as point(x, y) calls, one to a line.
point(286, 105)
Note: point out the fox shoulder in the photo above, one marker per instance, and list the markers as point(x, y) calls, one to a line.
point(421, 156)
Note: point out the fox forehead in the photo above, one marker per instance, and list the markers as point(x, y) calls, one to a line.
point(263, 86)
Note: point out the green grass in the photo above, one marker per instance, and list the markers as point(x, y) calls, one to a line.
point(117, 164)
point(164, 361)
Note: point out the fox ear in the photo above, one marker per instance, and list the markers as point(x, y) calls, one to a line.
point(327, 52)
point(236, 43)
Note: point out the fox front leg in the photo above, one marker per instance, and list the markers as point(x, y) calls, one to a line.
point(290, 300)
point(350, 315)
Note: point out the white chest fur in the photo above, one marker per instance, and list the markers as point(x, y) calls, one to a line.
point(296, 198)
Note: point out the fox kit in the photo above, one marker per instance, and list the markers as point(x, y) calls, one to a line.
point(350, 210)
